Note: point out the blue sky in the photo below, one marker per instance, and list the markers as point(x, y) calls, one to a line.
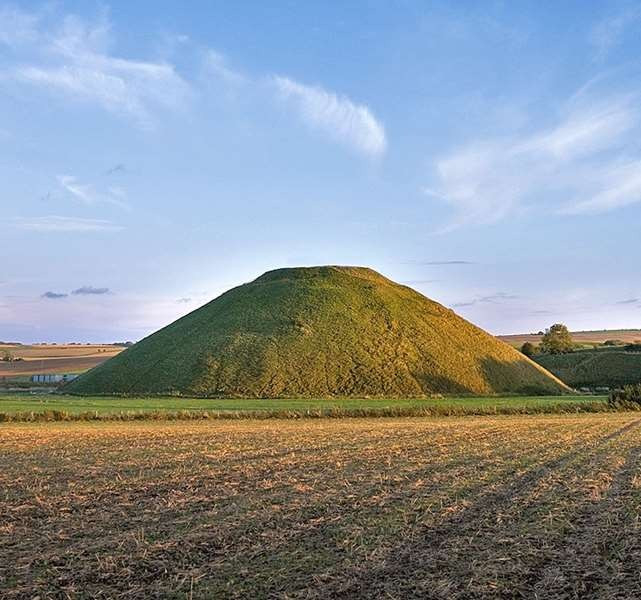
point(152, 156)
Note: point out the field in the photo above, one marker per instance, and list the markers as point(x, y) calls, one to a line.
point(12, 404)
point(580, 337)
point(59, 358)
point(483, 507)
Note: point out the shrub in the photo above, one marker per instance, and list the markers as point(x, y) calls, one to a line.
point(635, 347)
point(613, 343)
point(529, 349)
point(627, 397)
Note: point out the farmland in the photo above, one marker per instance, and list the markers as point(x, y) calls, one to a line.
point(105, 406)
point(50, 358)
point(579, 337)
point(484, 507)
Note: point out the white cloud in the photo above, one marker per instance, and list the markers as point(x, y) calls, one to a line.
point(54, 223)
point(619, 185)
point(336, 116)
point(608, 33)
point(86, 193)
point(587, 162)
point(76, 62)
point(216, 64)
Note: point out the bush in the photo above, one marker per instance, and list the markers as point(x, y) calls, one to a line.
point(635, 347)
point(529, 349)
point(613, 343)
point(627, 397)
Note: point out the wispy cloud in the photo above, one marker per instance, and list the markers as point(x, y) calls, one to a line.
point(439, 262)
point(54, 295)
point(608, 33)
point(55, 223)
point(489, 299)
point(336, 116)
point(629, 301)
point(183, 300)
point(77, 62)
point(216, 64)
point(88, 195)
point(588, 162)
point(88, 290)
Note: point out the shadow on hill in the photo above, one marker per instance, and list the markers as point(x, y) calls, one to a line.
point(519, 377)
point(501, 376)
point(440, 384)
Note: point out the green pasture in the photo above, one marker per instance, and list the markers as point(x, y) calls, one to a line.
point(12, 404)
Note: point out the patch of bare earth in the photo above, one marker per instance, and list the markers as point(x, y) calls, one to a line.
point(502, 507)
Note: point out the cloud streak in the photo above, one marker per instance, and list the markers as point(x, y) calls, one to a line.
point(335, 116)
point(88, 290)
point(431, 263)
point(490, 299)
point(77, 64)
point(87, 194)
point(58, 224)
point(54, 295)
point(608, 33)
point(587, 163)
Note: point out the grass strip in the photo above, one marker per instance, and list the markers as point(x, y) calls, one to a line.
point(312, 413)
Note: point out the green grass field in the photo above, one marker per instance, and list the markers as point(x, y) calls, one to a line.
point(12, 404)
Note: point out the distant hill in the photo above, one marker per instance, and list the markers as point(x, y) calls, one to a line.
point(603, 367)
point(319, 332)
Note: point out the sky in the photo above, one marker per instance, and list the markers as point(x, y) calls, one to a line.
point(155, 154)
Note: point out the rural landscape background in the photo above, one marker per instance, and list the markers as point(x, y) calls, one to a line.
point(320, 301)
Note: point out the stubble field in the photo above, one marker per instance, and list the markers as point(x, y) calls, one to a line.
point(475, 507)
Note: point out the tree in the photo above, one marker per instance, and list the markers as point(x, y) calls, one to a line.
point(557, 340)
point(7, 356)
point(529, 349)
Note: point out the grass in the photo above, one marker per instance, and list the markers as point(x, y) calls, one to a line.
point(57, 407)
point(603, 367)
point(319, 332)
point(490, 507)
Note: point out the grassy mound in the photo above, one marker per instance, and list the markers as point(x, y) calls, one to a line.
point(595, 368)
point(319, 332)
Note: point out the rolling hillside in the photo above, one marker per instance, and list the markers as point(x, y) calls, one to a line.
point(594, 368)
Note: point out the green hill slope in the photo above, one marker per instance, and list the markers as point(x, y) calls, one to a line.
point(318, 332)
point(594, 368)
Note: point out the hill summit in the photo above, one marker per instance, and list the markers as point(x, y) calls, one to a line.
point(318, 332)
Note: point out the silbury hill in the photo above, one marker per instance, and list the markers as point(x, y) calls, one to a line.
point(319, 332)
